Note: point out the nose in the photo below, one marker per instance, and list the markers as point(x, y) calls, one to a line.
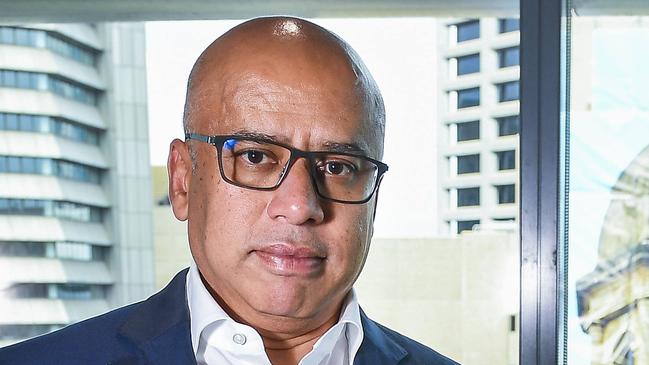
point(295, 200)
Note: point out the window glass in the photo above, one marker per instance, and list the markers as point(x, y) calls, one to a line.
point(468, 197)
point(607, 161)
point(468, 164)
point(509, 57)
point(507, 126)
point(506, 160)
point(508, 25)
point(506, 193)
point(466, 225)
point(467, 131)
point(508, 91)
point(468, 30)
point(468, 64)
point(468, 97)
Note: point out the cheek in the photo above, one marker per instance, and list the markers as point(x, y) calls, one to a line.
point(353, 239)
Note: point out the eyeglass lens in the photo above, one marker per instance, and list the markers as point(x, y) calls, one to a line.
point(258, 164)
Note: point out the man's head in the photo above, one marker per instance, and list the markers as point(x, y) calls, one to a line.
point(282, 254)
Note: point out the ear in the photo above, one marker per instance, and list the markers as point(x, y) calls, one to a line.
point(376, 204)
point(179, 168)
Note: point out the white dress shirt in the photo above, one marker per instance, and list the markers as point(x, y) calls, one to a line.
point(218, 339)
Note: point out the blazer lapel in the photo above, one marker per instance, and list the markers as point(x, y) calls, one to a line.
point(377, 347)
point(159, 328)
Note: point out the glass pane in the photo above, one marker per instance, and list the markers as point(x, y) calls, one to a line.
point(468, 31)
point(468, 131)
point(508, 25)
point(608, 200)
point(468, 64)
point(468, 197)
point(468, 97)
point(468, 164)
point(508, 57)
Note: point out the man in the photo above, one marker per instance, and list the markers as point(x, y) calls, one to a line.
point(277, 178)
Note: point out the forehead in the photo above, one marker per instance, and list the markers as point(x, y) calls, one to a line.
point(314, 110)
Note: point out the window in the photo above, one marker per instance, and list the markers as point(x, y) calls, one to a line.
point(468, 30)
point(42, 39)
point(47, 166)
point(467, 197)
point(507, 126)
point(46, 124)
point(508, 91)
point(468, 97)
point(468, 164)
point(45, 82)
point(11, 332)
point(467, 131)
point(466, 225)
point(506, 160)
point(508, 25)
point(508, 57)
point(506, 193)
point(468, 64)
point(50, 208)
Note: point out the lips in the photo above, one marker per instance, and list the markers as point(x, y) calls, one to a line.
point(290, 260)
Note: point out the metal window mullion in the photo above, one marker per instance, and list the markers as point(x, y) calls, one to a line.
point(539, 136)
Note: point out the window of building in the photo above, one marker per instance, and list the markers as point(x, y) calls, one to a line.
point(466, 225)
point(11, 332)
point(45, 82)
point(468, 64)
point(507, 126)
point(50, 208)
point(52, 41)
point(508, 25)
point(468, 164)
point(467, 197)
point(48, 166)
point(468, 30)
point(468, 131)
point(468, 97)
point(46, 124)
point(508, 91)
point(506, 160)
point(509, 57)
point(506, 193)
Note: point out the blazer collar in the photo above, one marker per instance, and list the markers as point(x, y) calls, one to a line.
point(377, 346)
point(159, 327)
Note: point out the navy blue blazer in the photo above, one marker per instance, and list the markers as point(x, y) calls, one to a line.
point(156, 331)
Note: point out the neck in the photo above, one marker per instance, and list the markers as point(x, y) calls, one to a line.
point(284, 348)
point(286, 340)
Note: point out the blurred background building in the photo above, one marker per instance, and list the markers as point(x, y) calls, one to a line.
point(478, 123)
point(75, 201)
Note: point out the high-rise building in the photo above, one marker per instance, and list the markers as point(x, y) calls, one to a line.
point(478, 127)
point(75, 200)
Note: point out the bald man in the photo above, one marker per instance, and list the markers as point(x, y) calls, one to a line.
point(277, 178)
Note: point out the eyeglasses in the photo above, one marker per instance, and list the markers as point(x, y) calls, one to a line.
point(259, 164)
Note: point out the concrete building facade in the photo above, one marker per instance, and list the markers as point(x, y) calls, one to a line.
point(477, 138)
point(75, 201)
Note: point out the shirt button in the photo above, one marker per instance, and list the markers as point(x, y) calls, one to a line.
point(239, 338)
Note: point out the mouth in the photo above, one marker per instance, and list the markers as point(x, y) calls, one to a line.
point(290, 260)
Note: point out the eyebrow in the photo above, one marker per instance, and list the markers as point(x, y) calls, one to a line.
point(328, 146)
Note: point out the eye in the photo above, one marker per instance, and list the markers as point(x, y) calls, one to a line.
point(254, 157)
point(337, 168)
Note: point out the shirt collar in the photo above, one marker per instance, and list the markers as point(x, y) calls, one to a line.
point(204, 310)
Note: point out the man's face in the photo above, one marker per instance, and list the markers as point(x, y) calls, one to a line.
point(284, 252)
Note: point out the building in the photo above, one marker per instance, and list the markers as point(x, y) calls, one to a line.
point(477, 139)
point(75, 201)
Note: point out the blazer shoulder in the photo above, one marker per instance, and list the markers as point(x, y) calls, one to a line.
point(417, 353)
